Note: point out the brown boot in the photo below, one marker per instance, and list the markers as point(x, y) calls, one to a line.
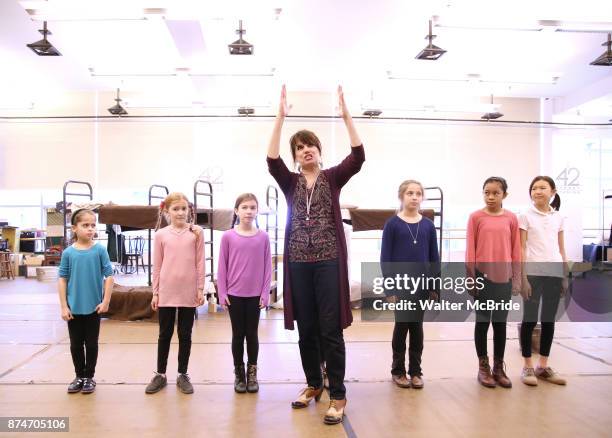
point(484, 373)
point(499, 374)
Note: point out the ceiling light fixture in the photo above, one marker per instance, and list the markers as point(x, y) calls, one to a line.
point(606, 58)
point(372, 113)
point(246, 111)
point(117, 109)
point(431, 52)
point(44, 47)
point(240, 46)
point(492, 115)
point(372, 109)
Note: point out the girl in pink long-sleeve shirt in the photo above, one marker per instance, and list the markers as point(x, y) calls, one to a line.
point(178, 286)
point(244, 275)
point(494, 253)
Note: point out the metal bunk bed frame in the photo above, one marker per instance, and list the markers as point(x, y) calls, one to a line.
point(272, 204)
point(151, 197)
point(65, 195)
point(207, 225)
point(438, 201)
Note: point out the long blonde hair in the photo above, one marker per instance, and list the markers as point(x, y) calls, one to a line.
point(171, 199)
point(402, 188)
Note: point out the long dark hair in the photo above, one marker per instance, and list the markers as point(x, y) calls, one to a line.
point(556, 202)
point(239, 200)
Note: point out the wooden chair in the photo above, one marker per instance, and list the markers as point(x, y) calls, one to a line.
point(6, 266)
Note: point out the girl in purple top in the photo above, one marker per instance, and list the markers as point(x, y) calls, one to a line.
point(315, 277)
point(243, 280)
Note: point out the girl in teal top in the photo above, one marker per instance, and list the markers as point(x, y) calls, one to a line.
point(82, 272)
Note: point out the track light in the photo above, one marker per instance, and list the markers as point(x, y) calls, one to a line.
point(431, 52)
point(246, 111)
point(117, 109)
point(44, 47)
point(606, 58)
point(492, 115)
point(372, 112)
point(240, 46)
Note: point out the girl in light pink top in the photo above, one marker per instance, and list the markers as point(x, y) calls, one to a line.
point(493, 253)
point(178, 286)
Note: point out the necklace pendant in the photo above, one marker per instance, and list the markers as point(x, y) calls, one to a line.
point(307, 218)
point(415, 242)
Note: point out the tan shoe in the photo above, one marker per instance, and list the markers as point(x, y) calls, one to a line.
point(401, 380)
point(549, 375)
point(417, 382)
point(335, 413)
point(528, 377)
point(306, 396)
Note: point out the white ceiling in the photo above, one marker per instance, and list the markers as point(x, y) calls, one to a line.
point(309, 45)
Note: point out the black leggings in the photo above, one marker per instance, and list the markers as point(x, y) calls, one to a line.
point(494, 293)
point(84, 331)
point(408, 321)
point(167, 317)
point(244, 314)
point(316, 304)
point(549, 290)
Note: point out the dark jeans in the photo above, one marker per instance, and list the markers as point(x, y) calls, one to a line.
point(408, 321)
point(316, 304)
point(497, 293)
point(549, 290)
point(167, 316)
point(244, 314)
point(84, 331)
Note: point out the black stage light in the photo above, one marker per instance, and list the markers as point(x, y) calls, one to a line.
point(44, 47)
point(240, 46)
point(606, 58)
point(431, 52)
point(492, 115)
point(117, 109)
point(246, 111)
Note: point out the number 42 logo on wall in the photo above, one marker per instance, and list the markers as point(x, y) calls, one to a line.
point(568, 181)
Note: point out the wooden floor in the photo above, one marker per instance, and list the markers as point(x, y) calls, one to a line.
point(36, 367)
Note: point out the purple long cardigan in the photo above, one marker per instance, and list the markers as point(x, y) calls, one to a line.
point(337, 176)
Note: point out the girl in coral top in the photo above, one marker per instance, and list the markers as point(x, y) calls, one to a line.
point(493, 252)
point(178, 286)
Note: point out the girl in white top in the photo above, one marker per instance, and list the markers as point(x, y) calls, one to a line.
point(543, 252)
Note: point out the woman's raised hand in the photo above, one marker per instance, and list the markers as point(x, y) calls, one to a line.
point(283, 107)
point(342, 108)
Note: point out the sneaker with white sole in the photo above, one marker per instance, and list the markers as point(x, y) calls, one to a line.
point(528, 377)
point(549, 375)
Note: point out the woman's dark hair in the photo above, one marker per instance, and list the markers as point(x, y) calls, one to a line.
point(556, 202)
point(498, 179)
point(305, 137)
point(239, 200)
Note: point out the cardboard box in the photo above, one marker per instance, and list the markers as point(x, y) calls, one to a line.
point(34, 260)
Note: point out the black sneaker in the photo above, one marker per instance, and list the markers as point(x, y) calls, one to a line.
point(89, 386)
point(184, 383)
point(75, 386)
point(156, 384)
